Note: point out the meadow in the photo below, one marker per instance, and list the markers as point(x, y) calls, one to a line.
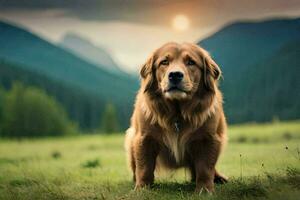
point(262, 161)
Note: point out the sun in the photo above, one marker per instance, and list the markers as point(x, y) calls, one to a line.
point(181, 22)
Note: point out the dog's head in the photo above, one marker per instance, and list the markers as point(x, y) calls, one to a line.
point(179, 71)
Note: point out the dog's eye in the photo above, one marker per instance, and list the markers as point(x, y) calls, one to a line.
point(164, 62)
point(191, 62)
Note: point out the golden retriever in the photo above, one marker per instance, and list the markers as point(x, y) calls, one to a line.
point(178, 119)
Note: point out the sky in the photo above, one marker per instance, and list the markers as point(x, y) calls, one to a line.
point(131, 29)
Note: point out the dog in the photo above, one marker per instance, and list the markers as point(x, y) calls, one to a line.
point(178, 118)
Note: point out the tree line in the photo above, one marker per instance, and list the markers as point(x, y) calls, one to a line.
point(84, 109)
point(31, 112)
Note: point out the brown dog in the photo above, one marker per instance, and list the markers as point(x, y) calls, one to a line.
point(178, 119)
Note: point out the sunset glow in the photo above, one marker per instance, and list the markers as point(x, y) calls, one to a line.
point(181, 23)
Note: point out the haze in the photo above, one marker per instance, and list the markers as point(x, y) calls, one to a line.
point(131, 30)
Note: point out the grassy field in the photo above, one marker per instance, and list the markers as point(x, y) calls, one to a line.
point(262, 161)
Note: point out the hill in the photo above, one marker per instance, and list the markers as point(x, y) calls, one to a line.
point(242, 44)
point(254, 57)
point(28, 52)
point(85, 49)
point(270, 88)
point(22, 47)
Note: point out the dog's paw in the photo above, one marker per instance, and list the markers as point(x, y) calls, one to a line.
point(141, 186)
point(203, 191)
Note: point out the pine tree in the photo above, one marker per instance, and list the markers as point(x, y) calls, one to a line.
point(30, 112)
point(109, 123)
point(2, 96)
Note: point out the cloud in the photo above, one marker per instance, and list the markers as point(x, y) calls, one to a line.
point(159, 12)
point(131, 29)
point(129, 43)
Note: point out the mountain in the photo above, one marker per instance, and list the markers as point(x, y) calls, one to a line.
point(272, 87)
point(34, 54)
point(85, 49)
point(260, 61)
point(241, 44)
point(22, 47)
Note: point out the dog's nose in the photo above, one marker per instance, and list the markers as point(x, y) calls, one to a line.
point(175, 77)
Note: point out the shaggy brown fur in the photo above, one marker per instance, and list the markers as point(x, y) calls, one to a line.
point(184, 127)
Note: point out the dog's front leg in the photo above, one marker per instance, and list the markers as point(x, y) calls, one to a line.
point(205, 154)
point(146, 152)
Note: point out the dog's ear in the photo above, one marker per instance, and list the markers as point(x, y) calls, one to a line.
point(211, 72)
point(147, 74)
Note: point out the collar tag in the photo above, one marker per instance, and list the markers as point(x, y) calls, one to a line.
point(176, 127)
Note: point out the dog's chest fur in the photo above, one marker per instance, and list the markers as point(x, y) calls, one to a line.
point(175, 143)
point(175, 139)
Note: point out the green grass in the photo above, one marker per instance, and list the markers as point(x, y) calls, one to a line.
point(262, 162)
